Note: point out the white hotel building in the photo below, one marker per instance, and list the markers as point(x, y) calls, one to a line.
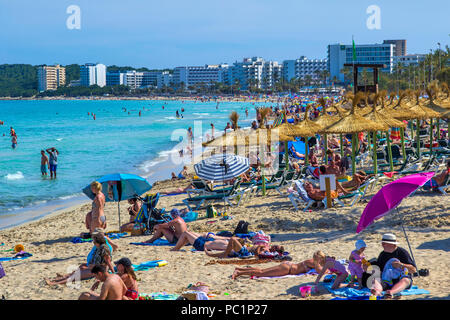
point(256, 72)
point(302, 67)
point(91, 74)
point(208, 75)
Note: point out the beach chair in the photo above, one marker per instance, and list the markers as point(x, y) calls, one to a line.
point(200, 188)
point(300, 197)
point(149, 215)
point(288, 179)
point(358, 194)
point(220, 195)
point(442, 189)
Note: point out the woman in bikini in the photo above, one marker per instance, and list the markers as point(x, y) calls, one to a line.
point(126, 273)
point(96, 217)
point(283, 269)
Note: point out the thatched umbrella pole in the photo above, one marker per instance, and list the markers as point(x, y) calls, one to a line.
point(264, 112)
point(375, 167)
point(341, 144)
point(388, 139)
point(418, 138)
point(234, 116)
point(402, 136)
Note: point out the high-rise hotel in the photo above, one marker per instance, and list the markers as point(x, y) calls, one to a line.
point(51, 77)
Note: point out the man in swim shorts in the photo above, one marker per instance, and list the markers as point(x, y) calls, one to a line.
point(44, 163)
point(171, 230)
point(201, 241)
point(53, 161)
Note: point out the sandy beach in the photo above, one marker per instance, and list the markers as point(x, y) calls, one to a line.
point(427, 220)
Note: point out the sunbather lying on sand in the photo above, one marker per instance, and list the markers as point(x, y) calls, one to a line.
point(236, 248)
point(283, 269)
point(201, 241)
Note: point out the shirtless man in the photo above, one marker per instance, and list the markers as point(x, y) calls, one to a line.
point(172, 230)
point(317, 194)
point(44, 163)
point(113, 287)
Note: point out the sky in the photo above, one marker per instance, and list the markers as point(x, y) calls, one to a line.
point(165, 34)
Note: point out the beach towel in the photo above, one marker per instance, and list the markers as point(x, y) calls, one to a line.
point(158, 296)
point(157, 242)
point(364, 293)
point(109, 235)
point(144, 266)
point(19, 256)
point(310, 272)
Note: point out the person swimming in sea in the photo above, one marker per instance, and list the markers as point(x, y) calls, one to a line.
point(177, 114)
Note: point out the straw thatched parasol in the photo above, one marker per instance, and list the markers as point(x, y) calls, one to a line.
point(376, 116)
point(354, 123)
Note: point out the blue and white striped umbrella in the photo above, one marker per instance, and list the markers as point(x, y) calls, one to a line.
point(221, 167)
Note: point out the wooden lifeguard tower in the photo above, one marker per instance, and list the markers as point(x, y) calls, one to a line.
point(365, 88)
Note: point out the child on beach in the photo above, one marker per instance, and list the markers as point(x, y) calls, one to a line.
point(330, 263)
point(356, 259)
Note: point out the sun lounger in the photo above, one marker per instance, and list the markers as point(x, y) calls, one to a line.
point(300, 197)
point(205, 199)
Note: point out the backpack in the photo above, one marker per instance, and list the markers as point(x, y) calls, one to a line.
point(211, 212)
point(241, 228)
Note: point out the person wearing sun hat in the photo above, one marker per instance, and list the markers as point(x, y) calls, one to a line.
point(403, 261)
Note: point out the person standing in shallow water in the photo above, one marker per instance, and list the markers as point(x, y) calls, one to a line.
point(44, 163)
point(53, 161)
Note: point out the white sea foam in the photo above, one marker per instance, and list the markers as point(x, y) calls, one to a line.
point(14, 176)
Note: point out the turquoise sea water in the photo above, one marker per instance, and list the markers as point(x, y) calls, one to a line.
point(116, 141)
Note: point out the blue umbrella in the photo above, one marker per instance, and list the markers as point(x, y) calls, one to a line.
point(221, 167)
point(120, 186)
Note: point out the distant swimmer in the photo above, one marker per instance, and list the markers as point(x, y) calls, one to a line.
point(14, 141)
point(12, 132)
point(139, 113)
point(182, 110)
point(163, 107)
point(246, 112)
point(177, 114)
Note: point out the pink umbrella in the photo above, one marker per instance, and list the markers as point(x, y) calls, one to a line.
point(388, 199)
point(390, 196)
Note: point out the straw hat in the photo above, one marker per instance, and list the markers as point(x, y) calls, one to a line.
point(389, 238)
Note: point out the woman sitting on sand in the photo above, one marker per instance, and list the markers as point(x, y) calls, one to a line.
point(96, 217)
point(133, 210)
point(284, 269)
point(100, 255)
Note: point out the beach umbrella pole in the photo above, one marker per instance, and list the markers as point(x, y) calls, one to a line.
point(118, 210)
point(353, 154)
point(402, 134)
point(306, 151)
point(418, 138)
point(375, 171)
point(407, 240)
point(431, 137)
point(342, 145)
point(388, 139)
point(325, 146)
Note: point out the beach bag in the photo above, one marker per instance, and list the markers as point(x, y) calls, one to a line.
point(2, 271)
point(190, 216)
point(211, 212)
point(241, 228)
